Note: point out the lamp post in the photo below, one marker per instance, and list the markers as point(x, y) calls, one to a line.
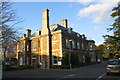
point(70, 47)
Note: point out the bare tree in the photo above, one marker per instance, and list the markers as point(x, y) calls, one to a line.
point(8, 23)
point(8, 30)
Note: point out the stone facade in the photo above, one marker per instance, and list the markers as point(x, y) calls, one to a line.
point(46, 46)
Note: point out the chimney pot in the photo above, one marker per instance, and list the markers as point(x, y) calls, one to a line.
point(64, 23)
point(28, 33)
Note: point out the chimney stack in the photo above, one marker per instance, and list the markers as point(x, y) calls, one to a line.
point(64, 23)
point(45, 18)
point(45, 21)
point(24, 35)
point(28, 33)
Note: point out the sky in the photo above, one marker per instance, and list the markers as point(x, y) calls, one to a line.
point(85, 17)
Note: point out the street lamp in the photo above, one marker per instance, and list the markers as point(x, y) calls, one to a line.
point(70, 48)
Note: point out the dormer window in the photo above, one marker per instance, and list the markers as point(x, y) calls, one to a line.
point(78, 35)
point(53, 29)
point(69, 31)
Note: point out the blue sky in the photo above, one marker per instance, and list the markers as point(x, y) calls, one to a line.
point(91, 18)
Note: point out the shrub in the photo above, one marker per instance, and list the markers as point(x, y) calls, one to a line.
point(18, 67)
point(74, 60)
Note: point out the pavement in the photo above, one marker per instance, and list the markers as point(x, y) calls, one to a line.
point(91, 72)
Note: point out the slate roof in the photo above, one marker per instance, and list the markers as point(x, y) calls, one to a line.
point(56, 27)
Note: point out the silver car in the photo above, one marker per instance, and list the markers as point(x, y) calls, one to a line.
point(113, 66)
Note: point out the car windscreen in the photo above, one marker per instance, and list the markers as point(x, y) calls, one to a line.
point(114, 62)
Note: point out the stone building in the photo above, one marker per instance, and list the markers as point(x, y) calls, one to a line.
point(46, 46)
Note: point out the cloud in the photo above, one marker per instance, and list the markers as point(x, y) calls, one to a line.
point(97, 44)
point(85, 2)
point(97, 27)
point(99, 12)
point(92, 0)
point(72, 24)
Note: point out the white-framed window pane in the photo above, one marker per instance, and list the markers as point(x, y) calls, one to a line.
point(83, 58)
point(69, 31)
point(21, 59)
point(73, 43)
point(20, 47)
point(33, 60)
point(33, 45)
point(67, 44)
point(82, 46)
point(91, 47)
point(78, 35)
point(78, 45)
point(55, 59)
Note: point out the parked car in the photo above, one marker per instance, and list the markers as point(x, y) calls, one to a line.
point(113, 66)
point(7, 63)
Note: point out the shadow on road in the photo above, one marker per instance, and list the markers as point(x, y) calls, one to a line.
point(115, 74)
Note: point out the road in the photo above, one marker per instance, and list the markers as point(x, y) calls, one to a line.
point(93, 72)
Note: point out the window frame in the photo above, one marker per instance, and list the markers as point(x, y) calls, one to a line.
point(55, 59)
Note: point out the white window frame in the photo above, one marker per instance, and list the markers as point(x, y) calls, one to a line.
point(91, 47)
point(78, 45)
point(21, 47)
point(21, 61)
point(34, 58)
point(55, 59)
point(78, 35)
point(69, 31)
point(40, 59)
point(83, 59)
point(33, 46)
point(67, 42)
point(73, 44)
point(83, 46)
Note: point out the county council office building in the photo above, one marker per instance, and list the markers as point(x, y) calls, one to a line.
point(46, 46)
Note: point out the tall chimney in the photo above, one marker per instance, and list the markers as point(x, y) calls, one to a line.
point(28, 33)
point(45, 18)
point(45, 21)
point(64, 23)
